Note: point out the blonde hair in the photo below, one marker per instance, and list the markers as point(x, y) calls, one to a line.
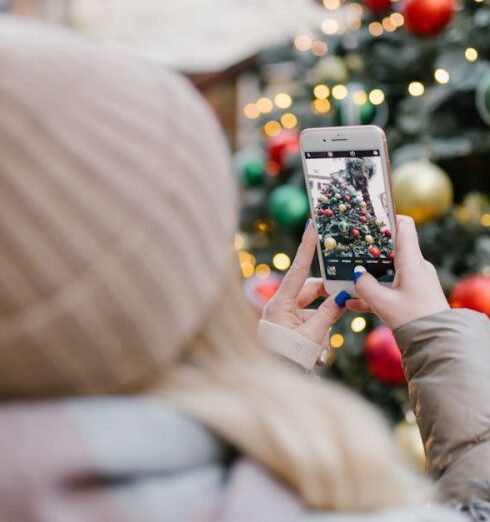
point(326, 444)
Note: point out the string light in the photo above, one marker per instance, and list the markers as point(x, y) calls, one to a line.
point(247, 263)
point(375, 29)
point(376, 96)
point(388, 25)
point(485, 220)
point(319, 48)
point(289, 120)
point(339, 92)
point(321, 106)
point(360, 98)
point(251, 111)
point(321, 91)
point(263, 271)
point(441, 76)
point(331, 4)
point(330, 26)
point(302, 42)
point(272, 128)
point(281, 261)
point(264, 105)
point(471, 54)
point(397, 19)
point(358, 324)
point(239, 242)
point(337, 341)
point(416, 89)
point(283, 100)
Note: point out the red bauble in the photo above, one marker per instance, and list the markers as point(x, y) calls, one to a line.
point(280, 147)
point(428, 17)
point(472, 292)
point(383, 356)
point(387, 233)
point(374, 251)
point(392, 254)
point(378, 6)
point(356, 233)
point(328, 213)
point(364, 211)
point(362, 219)
point(347, 197)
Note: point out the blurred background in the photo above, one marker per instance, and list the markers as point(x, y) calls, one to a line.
point(417, 68)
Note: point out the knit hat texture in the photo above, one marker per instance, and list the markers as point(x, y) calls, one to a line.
point(117, 210)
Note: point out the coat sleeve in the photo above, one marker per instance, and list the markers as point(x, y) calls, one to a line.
point(446, 358)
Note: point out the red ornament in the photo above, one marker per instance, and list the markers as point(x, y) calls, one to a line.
point(472, 292)
point(383, 357)
point(387, 232)
point(374, 251)
point(281, 146)
point(356, 232)
point(428, 17)
point(328, 213)
point(362, 219)
point(364, 211)
point(347, 197)
point(378, 6)
point(392, 254)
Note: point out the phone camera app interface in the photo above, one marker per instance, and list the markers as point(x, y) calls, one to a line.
point(351, 213)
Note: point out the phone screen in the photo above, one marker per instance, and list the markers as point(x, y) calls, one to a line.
point(350, 205)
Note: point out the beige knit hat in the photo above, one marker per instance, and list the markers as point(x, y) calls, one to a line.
point(117, 210)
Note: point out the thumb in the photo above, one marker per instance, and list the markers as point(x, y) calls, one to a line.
point(318, 324)
point(368, 289)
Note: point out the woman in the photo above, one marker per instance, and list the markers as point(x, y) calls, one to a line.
point(133, 385)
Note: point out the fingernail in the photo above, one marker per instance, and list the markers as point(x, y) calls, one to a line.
point(323, 358)
point(341, 298)
point(308, 221)
point(358, 271)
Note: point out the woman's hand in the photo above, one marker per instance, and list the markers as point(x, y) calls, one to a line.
point(416, 291)
point(287, 307)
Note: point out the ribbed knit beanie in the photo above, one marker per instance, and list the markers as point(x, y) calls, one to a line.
point(117, 210)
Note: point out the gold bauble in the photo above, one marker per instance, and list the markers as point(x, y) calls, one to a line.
point(342, 207)
point(378, 222)
point(337, 195)
point(329, 243)
point(409, 442)
point(363, 204)
point(369, 239)
point(422, 190)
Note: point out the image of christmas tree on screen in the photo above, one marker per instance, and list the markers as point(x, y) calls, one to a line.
point(351, 207)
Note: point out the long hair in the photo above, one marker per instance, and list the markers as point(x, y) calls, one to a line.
point(326, 444)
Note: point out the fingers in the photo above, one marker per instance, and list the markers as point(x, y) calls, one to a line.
point(371, 292)
point(407, 242)
point(312, 289)
point(316, 326)
point(358, 305)
point(296, 276)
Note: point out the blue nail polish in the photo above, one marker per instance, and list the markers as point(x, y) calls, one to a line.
point(341, 298)
point(358, 271)
point(308, 221)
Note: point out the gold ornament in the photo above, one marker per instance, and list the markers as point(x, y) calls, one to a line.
point(422, 190)
point(329, 243)
point(363, 204)
point(369, 239)
point(342, 207)
point(337, 195)
point(409, 441)
point(321, 197)
point(378, 222)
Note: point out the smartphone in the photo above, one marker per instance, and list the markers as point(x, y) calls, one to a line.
point(347, 175)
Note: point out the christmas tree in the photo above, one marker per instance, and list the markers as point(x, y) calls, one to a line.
point(420, 70)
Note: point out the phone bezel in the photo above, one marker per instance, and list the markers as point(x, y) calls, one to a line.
point(360, 137)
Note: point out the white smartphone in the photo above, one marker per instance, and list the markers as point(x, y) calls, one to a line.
point(347, 176)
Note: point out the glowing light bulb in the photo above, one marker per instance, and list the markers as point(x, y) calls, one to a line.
point(302, 42)
point(283, 100)
point(264, 105)
point(321, 91)
point(471, 54)
point(339, 92)
point(281, 261)
point(251, 111)
point(337, 341)
point(358, 324)
point(272, 128)
point(416, 89)
point(289, 120)
point(441, 76)
point(376, 96)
